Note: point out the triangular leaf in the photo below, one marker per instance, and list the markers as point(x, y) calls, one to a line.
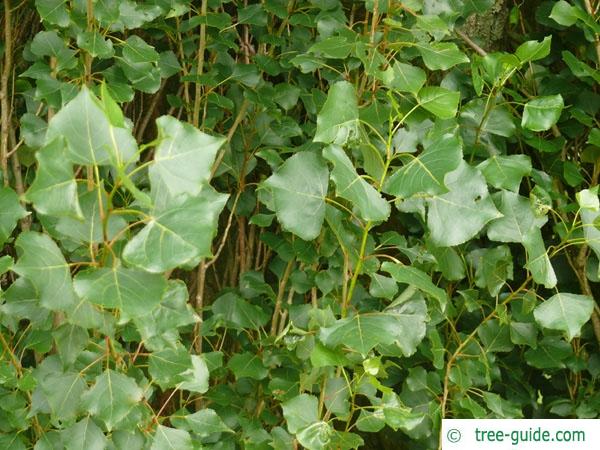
point(42, 263)
point(299, 188)
point(337, 121)
point(183, 158)
point(112, 397)
point(565, 312)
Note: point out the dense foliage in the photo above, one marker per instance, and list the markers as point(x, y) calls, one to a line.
point(281, 224)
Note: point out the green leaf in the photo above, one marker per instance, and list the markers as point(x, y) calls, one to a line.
point(179, 232)
point(579, 68)
point(538, 262)
point(467, 206)
point(169, 64)
point(506, 172)
point(337, 122)
point(300, 412)
point(70, 341)
point(53, 11)
point(523, 333)
point(85, 434)
point(144, 76)
point(63, 393)
point(414, 277)
point(238, 313)
point(315, 436)
point(405, 78)
point(322, 356)
point(495, 336)
point(345, 440)
point(352, 187)
point(518, 219)
point(128, 440)
point(41, 262)
point(402, 325)
point(565, 14)
point(493, 267)
point(134, 292)
point(165, 366)
point(95, 44)
point(398, 416)
point(299, 188)
point(10, 213)
point(425, 173)
point(6, 263)
point(534, 50)
point(549, 354)
point(247, 365)
point(91, 229)
point(137, 51)
point(183, 158)
point(565, 312)
point(112, 398)
point(335, 47)
point(382, 287)
point(205, 422)
point(167, 438)
point(90, 138)
point(542, 113)
point(439, 101)
point(502, 409)
point(54, 190)
point(433, 24)
point(195, 379)
point(441, 55)
point(483, 119)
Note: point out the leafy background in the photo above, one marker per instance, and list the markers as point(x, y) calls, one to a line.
point(285, 224)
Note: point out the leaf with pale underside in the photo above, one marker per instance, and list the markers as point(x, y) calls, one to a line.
point(299, 188)
point(183, 159)
point(565, 312)
point(337, 121)
point(43, 264)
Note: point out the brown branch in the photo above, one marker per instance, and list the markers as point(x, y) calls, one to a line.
point(200, 67)
point(5, 116)
point(470, 43)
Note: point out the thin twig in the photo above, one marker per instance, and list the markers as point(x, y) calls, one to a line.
point(470, 43)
